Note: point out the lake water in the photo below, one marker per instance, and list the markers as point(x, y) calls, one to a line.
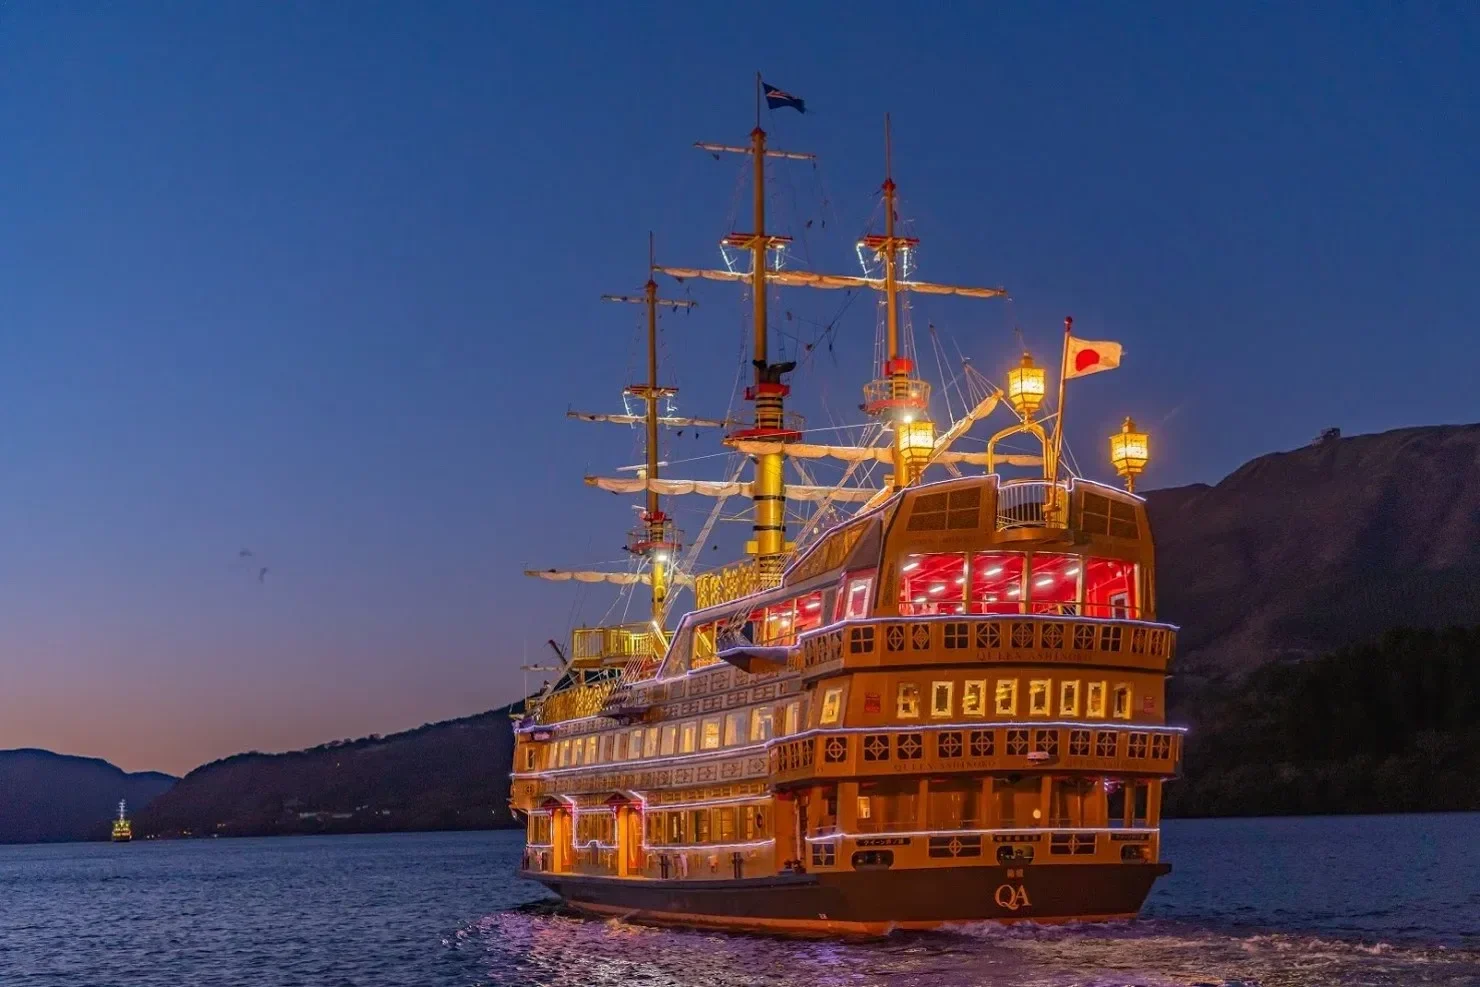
point(1391, 900)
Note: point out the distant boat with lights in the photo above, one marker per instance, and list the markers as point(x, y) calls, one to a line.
point(942, 703)
point(123, 830)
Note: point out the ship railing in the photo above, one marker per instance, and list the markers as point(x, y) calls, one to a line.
point(615, 644)
point(1032, 504)
point(731, 582)
point(575, 702)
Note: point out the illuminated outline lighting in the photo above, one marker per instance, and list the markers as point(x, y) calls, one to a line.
point(1106, 724)
point(982, 832)
point(705, 847)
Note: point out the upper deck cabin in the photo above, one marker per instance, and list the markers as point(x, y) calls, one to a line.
point(956, 572)
point(957, 548)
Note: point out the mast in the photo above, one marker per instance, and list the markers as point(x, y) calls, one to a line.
point(657, 539)
point(768, 545)
point(898, 398)
point(769, 490)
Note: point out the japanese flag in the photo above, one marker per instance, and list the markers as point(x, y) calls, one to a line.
point(1090, 356)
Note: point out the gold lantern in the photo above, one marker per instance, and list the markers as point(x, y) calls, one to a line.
point(1130, 450)
point(1026, 386)
point(914, 440)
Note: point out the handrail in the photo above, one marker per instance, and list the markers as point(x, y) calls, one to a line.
point(1032, 504)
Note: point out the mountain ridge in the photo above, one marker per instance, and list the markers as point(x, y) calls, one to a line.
point(51, 797)
point(1304, 551)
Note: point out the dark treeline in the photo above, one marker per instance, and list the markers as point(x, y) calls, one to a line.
point(450, 775)
point(1393, 726)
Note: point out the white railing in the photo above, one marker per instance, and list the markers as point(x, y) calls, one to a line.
point(1032, 504)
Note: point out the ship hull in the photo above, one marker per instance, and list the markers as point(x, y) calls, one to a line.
point(868, 903)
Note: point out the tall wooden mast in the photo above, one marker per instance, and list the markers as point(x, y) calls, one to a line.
point(657, 539)
point(768, 393)
point(898, 398)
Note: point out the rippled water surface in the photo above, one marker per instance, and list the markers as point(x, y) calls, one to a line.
point(1372, 901)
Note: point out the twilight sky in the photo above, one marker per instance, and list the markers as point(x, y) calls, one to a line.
point(320, 281)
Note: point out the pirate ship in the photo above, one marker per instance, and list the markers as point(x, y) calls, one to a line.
point(123, 830)
point(945, 706)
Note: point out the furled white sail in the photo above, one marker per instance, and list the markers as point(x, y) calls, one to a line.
point(883, 454)
point(719, 488)
point(669, 420)
point(617, 578)
point(807, 279)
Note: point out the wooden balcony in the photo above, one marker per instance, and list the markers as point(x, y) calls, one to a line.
point(1111, 749)
point(1029, 639)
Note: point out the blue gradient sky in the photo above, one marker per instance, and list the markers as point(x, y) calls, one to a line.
point(320, 280)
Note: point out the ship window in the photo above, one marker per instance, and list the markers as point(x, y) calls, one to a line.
point(1136, 747)
point(699, 820)
point(754, 819)
point(1110, 588)
point(1122, 702)
point(832, 707)
point(650, 742)
point(778, 623)
point(725, 824)
point(953, 803)
point(604, 749)
point(996, 582)
point(634, 744)
point(1053, 583)
point(974, 698)
point(854, 602)
point(893, 806)
point(942, 698)
point(808, 614)
point(689, 733)
point(933, 584)
point(1069, 698)
point(733, 723)
point(529, 758)
point(907, 705)
point(1038, 697)
point(676, 828)
point(793, 717)
point(1094, 701)
point(564, 756)
point(1007, 697)
point(760, 724)
point(670, 740)
point(591, 749)
point(709, 734)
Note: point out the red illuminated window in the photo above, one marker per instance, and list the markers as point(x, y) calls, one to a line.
point(996, 582)
point(933, 584)
point(856, 596)
point(809, 614)
point(1110, 588)
point(1053, 583)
